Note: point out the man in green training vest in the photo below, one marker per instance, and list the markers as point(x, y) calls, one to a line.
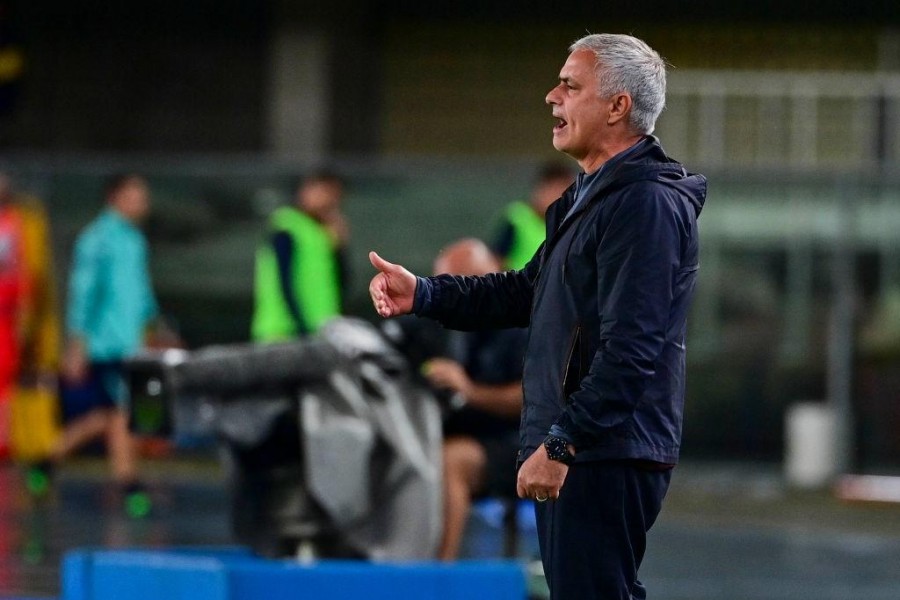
point(522, 229)
point(300, 269)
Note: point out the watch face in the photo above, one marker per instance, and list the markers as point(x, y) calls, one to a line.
point(558, 450)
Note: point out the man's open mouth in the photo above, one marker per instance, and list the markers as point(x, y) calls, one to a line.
point(560, 125)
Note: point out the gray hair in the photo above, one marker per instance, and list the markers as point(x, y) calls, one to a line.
point(627, 64)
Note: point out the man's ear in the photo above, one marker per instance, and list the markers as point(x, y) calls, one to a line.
point(619, 108)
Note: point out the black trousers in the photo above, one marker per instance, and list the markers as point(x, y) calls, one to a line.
point(593, 537)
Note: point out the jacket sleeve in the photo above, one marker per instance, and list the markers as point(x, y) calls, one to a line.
point(286, 253)
point(637, 259)
point(492, 301)
point(84, 282)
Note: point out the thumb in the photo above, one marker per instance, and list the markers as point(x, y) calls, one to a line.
point(381, 264)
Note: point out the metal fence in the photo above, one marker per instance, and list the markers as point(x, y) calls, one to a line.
point(799, 299)
point(785, 119)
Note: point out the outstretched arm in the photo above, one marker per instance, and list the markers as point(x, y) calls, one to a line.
point(502, 399)
point(491, 301)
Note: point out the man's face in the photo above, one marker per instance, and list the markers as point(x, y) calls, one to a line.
point(132, 200)
point(579, 110)
point(548, 192)
point(320, 198)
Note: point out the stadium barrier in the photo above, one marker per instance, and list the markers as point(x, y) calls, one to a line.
point(236, 574)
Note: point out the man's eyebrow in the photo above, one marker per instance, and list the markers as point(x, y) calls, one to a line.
point(566, 80)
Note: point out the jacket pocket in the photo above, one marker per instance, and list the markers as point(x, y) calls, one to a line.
point(572, 371)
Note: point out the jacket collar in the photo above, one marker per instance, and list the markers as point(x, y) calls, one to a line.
point(644, 160)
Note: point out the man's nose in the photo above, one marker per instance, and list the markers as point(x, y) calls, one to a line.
point(552, 96)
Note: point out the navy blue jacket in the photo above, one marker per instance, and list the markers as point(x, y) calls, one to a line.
point(606, 298)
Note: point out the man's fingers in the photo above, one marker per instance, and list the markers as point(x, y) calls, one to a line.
point(381, 264)
point(540, 478)
point(391, 289)
point(377, 286)
point(380, 299)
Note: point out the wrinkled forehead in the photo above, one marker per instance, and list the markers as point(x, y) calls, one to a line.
point(579, 65)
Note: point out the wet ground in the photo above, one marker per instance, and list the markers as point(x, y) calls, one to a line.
point(727, 533)
point(737, 534)
point(81, 510)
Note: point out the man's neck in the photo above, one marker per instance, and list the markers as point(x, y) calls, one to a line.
point(121, 214)
point(590, 163)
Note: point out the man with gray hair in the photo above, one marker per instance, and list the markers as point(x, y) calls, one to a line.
point(606, 298)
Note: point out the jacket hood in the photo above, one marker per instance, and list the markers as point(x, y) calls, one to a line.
point(649, 162)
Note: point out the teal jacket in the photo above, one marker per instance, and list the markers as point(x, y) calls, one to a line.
point(111, 299)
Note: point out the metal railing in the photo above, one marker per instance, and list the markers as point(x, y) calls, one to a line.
point(785, 119)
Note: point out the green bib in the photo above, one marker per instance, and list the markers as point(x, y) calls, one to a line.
point(314, 270)
point(528, 234)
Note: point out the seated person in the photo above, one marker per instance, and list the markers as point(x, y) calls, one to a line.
point(483, 370)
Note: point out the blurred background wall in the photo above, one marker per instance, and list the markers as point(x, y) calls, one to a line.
point(435, 114)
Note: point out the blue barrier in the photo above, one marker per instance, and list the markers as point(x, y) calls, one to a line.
point(237, 575)
point(486, 530)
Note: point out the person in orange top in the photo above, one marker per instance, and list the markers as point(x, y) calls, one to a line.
point(29, 317)
point(13, 286)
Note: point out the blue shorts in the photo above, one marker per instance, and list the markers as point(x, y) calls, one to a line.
point(104, 387)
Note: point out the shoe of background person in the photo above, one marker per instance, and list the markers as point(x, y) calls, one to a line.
point(137, 502)
point(38, 478)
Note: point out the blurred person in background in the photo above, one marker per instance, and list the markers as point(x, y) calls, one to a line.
point(606, 299)
point(14, 284)
point(31, 332)
point(29, 327)
point(111, 307)
point(523, 228)
point(483, 369)
point(300, 268)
